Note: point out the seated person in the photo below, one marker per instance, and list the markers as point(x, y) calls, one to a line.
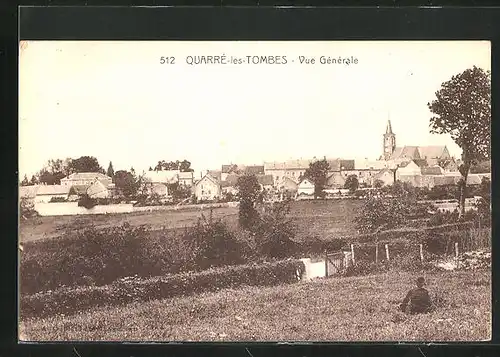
point(417, 300)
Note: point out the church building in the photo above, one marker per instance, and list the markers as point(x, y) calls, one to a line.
point(433, 155)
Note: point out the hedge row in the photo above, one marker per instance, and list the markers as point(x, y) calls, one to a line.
point(71, 300)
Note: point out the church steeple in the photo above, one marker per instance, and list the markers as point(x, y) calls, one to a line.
point(388, 130)
point(389, 144)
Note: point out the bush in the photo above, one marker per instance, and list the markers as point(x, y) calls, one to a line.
point(275, 232)
point(87, 202)
point(382, 213)
point(70, 301)
point(365, 268)
point(213, 244)
point(436, 244)
point(105, 255)
point(99, 255)
point(58, 199)
point(316, 247)
point(27, 208)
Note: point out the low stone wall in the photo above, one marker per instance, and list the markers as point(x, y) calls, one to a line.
point(71, 208)
point(185, 207)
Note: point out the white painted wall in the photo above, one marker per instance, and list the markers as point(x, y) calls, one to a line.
point(71, 208)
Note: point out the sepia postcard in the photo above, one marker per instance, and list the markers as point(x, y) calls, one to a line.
point(254, 191)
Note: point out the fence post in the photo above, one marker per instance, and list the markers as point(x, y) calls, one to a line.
point(387, 252)
point(376, 253)
point(421, 253)
point(326, 264)
point(456, 253)
point(352, 255)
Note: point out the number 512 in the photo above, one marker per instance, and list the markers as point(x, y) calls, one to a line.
point(167, 60)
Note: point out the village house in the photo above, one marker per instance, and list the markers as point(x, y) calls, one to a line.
point(208, 188)
point(241, 170)
point(363, 169)
point(408, 168)
point(305, 187)
point(156, 182)
point(78, 184)
point(228, 185)
point(85, 179)
point(186, 178)
point(449, 165)
point(97, 190)
point(287, 185)
point(385, 175)
point(432, 170)
point(335, 180)
point(47, 193)
point(228, 170)
point(293, 169)
point(253, 169)
point(217, 174)
point(266, 182)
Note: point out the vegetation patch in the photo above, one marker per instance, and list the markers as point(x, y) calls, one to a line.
point(339, 309)
point(71, 300)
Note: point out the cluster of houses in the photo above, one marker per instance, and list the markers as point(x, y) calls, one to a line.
point(94, 184)
point(421, 166)
point(98, 185)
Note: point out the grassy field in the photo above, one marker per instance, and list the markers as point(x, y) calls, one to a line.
point(338, 309)
point(322, 219)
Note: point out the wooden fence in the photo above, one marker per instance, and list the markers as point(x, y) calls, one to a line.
point(337, 263)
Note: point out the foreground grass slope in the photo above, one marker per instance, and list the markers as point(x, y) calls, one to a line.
point(322, 219)
point(340, 309)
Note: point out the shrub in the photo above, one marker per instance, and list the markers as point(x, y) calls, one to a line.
point(87, 202)
point(382, 213)
point(27, 208)
point(275, 232)
point(213, 244)
point(317, 247)
point(365, 268)
point(58, 199)
point(248, 194)
point(101, 255)
point(69, 301)
point(436, 244)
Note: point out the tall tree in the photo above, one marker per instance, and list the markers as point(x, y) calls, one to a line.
point(318, 174)
point(54, 171)
point(248, 194)
point(126, 182)
point(34, 180)
point(462, 109)
point(185, 166)
point(351, 183)
point(86, 164)
point(25, 181)
point(111, 171)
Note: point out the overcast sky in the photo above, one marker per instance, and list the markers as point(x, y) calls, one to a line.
point(115, 101)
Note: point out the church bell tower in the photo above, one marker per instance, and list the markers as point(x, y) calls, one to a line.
point(389, 142)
